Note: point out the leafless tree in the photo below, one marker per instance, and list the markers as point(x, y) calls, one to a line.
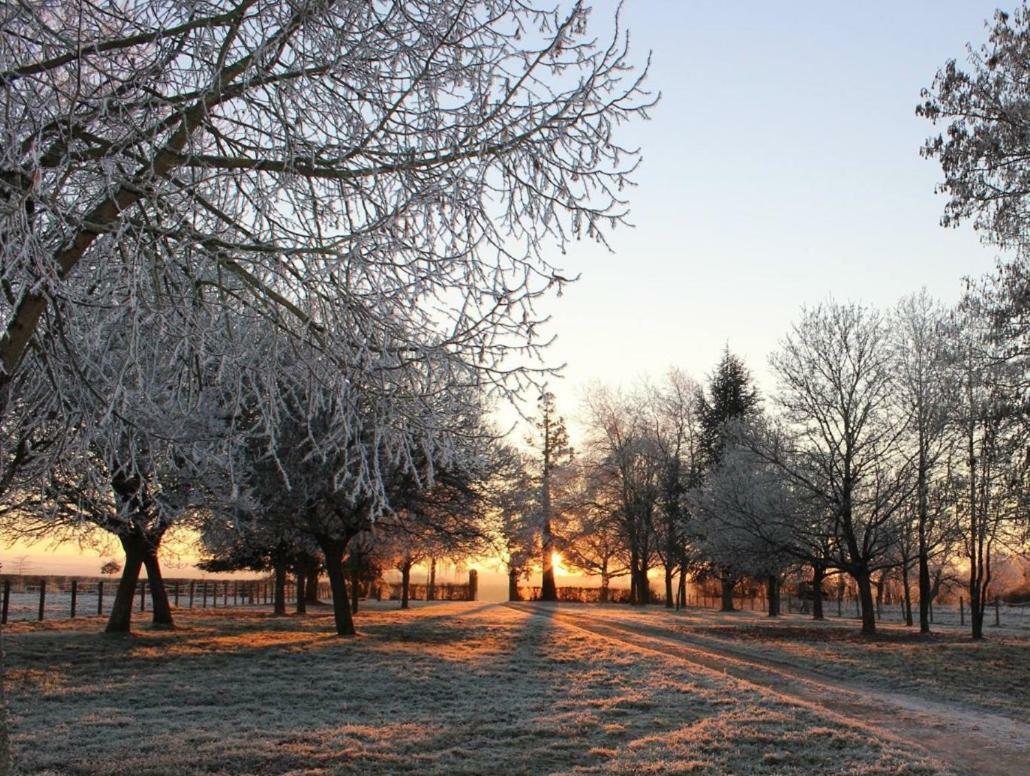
point(840, 447)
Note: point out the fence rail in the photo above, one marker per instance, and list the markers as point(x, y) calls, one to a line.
point(998, 613)
point(55, 597)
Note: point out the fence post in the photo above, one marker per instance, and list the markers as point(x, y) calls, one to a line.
point(7, 601)
point(42, 597)
point(473, 584)
point(236, 593)
point(997, 612)
point(225, 593)
point(100, 597)
point(203, 591)
point(961, 611)
point(143, 596)
point(192, 582)
point(176, 594)
point(75, 590)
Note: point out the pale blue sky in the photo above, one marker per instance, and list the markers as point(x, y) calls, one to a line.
point(782, 166)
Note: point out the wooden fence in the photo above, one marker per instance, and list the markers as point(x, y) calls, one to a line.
point(39, 597)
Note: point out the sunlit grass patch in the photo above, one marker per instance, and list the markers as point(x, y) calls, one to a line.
point(450, 689)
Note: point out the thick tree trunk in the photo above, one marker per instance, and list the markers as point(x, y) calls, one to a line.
point(405, 583)
point(818, 574)
point(548, 588)
point(311, 583)
point(881, 587)
point(279, 597)
point(668, 587)
point(976, 610)
point(513, 585)
point(865, 597)
point(727, 593)
point(643, 590)
point(302, 607)
point(333, 550)
point(120, 619)
point(158, 592)
point(772, 595)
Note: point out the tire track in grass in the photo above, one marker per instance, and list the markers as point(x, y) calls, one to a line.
point(970, 741)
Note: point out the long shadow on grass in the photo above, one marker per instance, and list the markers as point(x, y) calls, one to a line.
point(430, 693)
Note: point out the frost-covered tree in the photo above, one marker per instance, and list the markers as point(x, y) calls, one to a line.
point(991, 478)
point(137, 424)
point(678, 434)
point(840, 447)
point(925, 394)
point(746, 522)
point(385, 178)
point(731, 397)
point(984, 147)
point(621, 446)
point(514, 502)
point(592, 541)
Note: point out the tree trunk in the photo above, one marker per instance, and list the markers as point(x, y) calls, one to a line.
point(355, 579)
point(924, 554)
point(311, 568)
point(772, 595)
point(279, 602)
point(302, 607)
point(405, 582)
point(513, 585)
point(333, 550)
point(818, 574)
point(158, 592)
point(727, 593)
point(643, 590)
point(120, 619)
point(668, 586)
point(865, 597)
point(548, 588)
point(976, 611)
point(634, 594)
point(431, 589)
point(907, 600)
point(682, 587)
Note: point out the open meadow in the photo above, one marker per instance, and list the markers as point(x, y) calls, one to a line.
point(493, 688)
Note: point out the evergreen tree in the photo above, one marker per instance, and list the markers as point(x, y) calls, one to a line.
point(552, 440)
point(731, 395)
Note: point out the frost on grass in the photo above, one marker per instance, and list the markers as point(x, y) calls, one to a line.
point(455, 688)
point(946, 665)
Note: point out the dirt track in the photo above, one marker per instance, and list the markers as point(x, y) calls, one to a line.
point(969, 740)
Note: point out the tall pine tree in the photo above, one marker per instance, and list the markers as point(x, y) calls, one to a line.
point(731, 395)
point(552, 440)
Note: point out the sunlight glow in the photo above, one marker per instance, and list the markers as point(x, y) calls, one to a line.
point(556, 563)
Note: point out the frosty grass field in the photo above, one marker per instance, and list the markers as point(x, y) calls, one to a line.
point(492, 688)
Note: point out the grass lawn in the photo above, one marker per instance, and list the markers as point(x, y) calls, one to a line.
point(946, 665)
point(447, 688)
